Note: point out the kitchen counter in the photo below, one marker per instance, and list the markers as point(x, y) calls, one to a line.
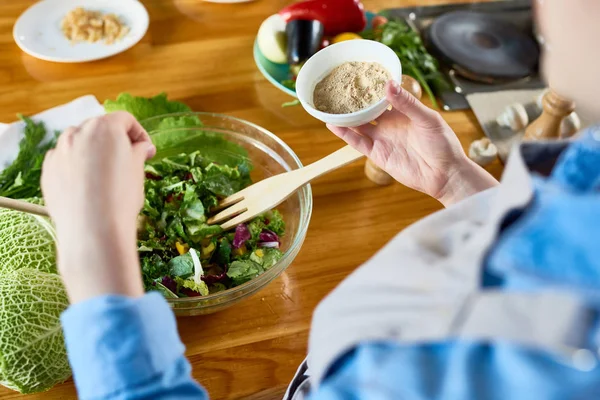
point(201, 53)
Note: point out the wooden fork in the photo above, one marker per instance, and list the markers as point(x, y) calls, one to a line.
point(269, 193)
point(20, 205)
point(23, 206)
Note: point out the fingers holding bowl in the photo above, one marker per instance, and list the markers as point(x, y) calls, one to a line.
point(354, 138)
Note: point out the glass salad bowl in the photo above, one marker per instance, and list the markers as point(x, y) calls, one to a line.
point(222, 137)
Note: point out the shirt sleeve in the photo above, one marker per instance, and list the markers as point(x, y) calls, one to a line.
point(120, 347)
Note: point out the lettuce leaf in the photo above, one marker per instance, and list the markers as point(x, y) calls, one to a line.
point(241, 271)
point(143, 108)
point(182, 266)
point(198, 287)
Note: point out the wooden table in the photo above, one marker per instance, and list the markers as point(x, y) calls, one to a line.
point(201, 54)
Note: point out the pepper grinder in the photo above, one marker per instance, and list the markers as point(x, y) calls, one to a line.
point(548, 125)
point(373, 172)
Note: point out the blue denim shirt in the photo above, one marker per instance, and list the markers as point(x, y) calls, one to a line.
point(129, 349)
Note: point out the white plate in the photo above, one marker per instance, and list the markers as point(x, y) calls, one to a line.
point(37, 31)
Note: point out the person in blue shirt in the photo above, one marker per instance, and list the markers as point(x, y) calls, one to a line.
point(495, 297)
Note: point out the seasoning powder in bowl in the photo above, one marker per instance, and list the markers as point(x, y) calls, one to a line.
point(350, 87)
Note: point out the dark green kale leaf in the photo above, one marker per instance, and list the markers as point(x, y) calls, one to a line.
point(153, 267)
point(223, 253)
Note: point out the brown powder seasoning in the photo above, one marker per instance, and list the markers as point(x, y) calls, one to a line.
point(350, 87)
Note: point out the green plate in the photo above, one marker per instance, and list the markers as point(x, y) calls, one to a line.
point(275, 73)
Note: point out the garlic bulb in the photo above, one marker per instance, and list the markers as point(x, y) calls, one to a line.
point(483, 151)
point(570, 125)
point(514, 117)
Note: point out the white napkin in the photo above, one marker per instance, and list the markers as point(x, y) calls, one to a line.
point(56, 119)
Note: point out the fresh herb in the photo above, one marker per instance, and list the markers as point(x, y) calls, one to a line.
point(291, 103)
point(181, 192)
point(416, 61)
point(290, 84)
point(21, 179)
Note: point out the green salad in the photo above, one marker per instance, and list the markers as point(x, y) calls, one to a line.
point(183, 256)
point(180, 254)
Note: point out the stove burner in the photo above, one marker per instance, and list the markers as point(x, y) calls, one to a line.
point(483, 48)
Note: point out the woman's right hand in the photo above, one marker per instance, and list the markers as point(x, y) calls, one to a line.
point(416, 146)
point(93, 185)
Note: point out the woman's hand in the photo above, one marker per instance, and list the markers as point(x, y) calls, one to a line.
point(93, 185)
point(416, 146)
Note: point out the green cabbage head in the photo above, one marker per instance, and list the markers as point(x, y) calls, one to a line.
point(25, 242)
point(32, 297)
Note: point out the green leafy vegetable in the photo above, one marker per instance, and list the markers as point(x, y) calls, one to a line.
point(181, 266)
point(176, 129)
point(291, 103)
point(32, 350)
point(416, 61)
point(25, 243)
point(153, 267)
point(242, 271)
point(275, 222)
point(198, 287)
point(165, 291)
point(181, 192)
point(22, 178)
point(217, 287)
point(143, 108)
point(223, 254)
point(270, 257)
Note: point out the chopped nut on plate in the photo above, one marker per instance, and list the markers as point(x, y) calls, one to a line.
point(81, 25)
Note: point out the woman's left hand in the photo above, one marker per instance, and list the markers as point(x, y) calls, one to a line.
point(93, 185)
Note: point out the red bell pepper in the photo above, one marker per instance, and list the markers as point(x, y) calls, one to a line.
point(337, 16)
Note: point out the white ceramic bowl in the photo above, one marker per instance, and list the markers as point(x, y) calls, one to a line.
point(320, 64)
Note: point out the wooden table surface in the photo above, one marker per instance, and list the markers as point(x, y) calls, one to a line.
point(201, 53)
